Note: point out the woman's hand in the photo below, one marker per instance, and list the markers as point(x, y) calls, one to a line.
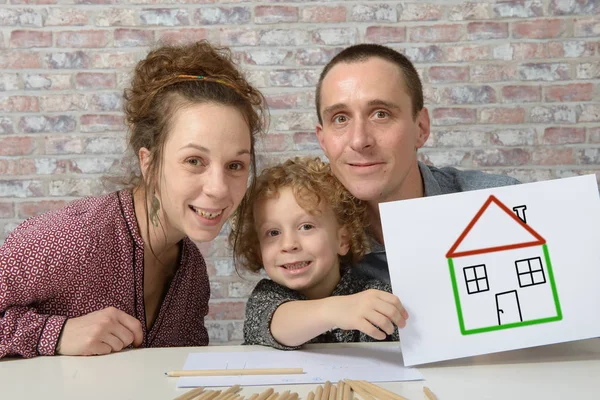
point(101, 332)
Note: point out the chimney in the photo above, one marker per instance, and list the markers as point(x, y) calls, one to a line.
point(520, 211)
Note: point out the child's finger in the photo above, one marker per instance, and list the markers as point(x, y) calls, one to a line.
point(371, 330)
point(395, 301)
point(381, 321)
point(391, 312)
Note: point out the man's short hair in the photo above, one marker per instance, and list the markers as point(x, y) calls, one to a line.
point(363, 52)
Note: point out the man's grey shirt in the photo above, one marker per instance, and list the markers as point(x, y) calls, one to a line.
point(436, 181)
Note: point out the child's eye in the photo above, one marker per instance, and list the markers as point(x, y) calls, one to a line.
point(272, 232)
point(306, 227)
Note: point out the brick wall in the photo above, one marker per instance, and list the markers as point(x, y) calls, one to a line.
point(512, 87)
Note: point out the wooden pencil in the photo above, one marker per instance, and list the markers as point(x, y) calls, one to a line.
point(428, 393)
point(210, 395)
point(347, 392)
point(340, 391)
point(311, 395)
point(232, 390)
point(265, 394)
point(253, 397)
point(284, 395)
point(190, 394)
point(380, 392)
point(326, 390)
point(358, 389)
point(230, 372)
point(228, 396)
point(319, 393)
point(293, 396)
point(203, 394)
point(333, 392)
point(273, 396)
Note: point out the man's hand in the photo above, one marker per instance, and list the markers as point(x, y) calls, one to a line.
point(370, 312)
point(101, 332)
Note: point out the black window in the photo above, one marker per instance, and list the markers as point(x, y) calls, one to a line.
point(530, 272)
point(476, 279)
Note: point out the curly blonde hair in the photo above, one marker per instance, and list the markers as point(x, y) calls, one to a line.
point(313, 184)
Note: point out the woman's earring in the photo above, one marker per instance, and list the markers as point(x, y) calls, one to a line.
point(154, 208)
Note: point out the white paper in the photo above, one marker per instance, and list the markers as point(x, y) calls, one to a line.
point(518, 284)
point(375, 364)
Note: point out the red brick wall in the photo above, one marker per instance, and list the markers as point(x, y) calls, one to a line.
point(512, 87)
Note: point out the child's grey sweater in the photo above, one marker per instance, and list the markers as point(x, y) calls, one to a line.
point(268, 296)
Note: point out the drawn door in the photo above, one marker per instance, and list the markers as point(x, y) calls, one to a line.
point(508, 308)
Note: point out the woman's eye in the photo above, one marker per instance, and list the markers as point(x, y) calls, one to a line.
point(237, 166)
point(306, 227)
point(195, 162)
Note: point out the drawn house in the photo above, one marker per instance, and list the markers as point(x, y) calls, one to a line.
point(501, 272)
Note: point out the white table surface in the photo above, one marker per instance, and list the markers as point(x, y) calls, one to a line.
point(561, 371)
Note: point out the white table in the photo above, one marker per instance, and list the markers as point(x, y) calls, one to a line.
point(562, 371)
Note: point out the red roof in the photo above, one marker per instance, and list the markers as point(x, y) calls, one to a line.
point(539, 240)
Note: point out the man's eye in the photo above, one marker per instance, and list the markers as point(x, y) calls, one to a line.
point(340, 119)
point(381, 114)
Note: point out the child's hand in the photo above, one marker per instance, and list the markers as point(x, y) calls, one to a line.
point(367, 311)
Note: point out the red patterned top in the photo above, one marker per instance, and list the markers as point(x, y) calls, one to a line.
point(84, 258)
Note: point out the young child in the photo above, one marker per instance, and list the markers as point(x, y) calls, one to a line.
point(305, 229)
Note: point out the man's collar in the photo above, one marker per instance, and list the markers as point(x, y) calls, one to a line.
point(430, 186)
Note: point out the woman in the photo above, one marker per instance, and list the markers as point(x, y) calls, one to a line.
point(112, 271)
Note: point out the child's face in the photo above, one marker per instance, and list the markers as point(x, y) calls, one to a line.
point(300, 250)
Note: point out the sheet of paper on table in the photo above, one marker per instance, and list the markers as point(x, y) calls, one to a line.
point(327, 364)
point(496, 269)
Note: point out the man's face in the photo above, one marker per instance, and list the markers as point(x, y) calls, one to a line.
point(368, 130)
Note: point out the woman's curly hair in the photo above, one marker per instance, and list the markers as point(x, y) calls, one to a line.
point(172, 77)
point(313, 184)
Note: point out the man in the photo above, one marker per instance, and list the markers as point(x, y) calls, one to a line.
point(371, 123)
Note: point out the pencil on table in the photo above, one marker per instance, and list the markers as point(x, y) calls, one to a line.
point(340, 391)
point(228, 396)
point(190, 395)
point(253, 397)
point(229, 372)
point(204, 395)
point(380, 392)
point(347, 394)
point(428, 393)
point(326, 390)
point(333, 392)
point(293, 396)
point(210, 395)
point(311, 396)
point(273, 396)
point(319, 393)
point(264, 395)
point(360, 390)
point(284, 395)
point(232, 390)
